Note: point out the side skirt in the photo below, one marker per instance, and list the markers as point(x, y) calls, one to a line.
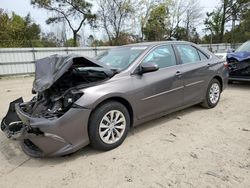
point(156, 116)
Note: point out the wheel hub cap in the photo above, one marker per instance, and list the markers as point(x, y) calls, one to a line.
point(214, 93)
point(112, 127)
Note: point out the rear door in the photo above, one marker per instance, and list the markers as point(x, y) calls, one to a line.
point(195, 72)
point(161, 90)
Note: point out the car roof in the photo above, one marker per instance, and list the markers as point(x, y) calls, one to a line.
point(157, 43)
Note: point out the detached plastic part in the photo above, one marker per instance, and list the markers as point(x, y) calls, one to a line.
point(11, 117)
point(11, 124)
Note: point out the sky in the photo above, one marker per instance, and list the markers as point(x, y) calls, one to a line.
point(23, 7)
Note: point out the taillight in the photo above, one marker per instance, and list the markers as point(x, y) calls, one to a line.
point(225, 64)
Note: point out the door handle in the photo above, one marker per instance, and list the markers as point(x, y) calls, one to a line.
point(178, 73)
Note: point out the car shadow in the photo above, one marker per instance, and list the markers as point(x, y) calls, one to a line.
point(12, 156)
point(89, 151)
point(239, 85)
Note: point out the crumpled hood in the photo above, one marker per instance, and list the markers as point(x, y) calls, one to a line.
point(48, 70)
point(239, 56)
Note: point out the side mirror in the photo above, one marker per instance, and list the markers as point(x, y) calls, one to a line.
point(231, 50)
point(149, 67)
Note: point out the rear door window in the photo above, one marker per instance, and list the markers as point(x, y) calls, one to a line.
point(188, 54)
point(203, 57)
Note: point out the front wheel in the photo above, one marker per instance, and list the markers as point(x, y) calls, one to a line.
point(213, 94)
point(109, 125)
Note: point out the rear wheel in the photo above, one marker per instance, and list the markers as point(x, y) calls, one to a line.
point(109, 125)
point(213, 94)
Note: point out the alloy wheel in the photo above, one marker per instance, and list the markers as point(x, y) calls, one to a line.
point(214, 93)
point(112, 126)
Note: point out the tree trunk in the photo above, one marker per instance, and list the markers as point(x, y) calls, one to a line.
point(233, 28)
point(107, 32)
point(117, 35)
point(222, 26)
point(187, 31)
point(187, 26)
point(75, 38)
point(142, 34)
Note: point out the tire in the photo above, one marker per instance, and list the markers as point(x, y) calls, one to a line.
point(209, 101)
point(109, 125)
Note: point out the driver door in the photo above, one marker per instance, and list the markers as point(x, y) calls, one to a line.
point(161, 90)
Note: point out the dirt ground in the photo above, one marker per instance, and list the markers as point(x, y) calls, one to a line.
point(191, 148)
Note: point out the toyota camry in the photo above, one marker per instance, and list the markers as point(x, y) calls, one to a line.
point(80, 101)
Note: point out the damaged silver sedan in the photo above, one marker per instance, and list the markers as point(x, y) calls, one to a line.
point(52, 123)
point(81, 101)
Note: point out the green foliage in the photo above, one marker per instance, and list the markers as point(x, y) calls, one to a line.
point(242, 31)
point(16, 31)
point(213, 23)
point(99, 43)
point(49, 40)
point(180, 34)
point(155, 29)
point(123, 39)
point(195, 37)
point(235, 12)
point(70, 43)
point(158, 20)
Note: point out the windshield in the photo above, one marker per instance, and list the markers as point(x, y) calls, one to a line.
point(245, 47)
point(120, 58)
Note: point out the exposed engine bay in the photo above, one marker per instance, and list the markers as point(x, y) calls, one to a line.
point(57, 85)
point(54, 99)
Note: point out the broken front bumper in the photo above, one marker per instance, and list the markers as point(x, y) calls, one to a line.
point(239, 71)
point(43, 137)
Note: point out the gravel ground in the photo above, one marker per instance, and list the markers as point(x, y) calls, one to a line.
point(194, 147)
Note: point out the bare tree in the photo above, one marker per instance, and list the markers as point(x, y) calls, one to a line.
point(112, 16)
point(142, 13)
point(75, 12)
point(183, 13)
point(192, 17)
point(177, 9)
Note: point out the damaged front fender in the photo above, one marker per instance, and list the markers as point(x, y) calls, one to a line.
point(52, 123)
point(45, 137)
